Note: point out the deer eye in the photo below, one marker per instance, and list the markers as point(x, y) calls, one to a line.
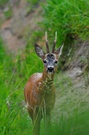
point(56, 61)
point(45, 61)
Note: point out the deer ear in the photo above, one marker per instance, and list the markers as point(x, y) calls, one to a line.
point(39, 51)
point(59, 50)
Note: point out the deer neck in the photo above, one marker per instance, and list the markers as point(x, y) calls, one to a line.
point(47, 81)
point(46, 76)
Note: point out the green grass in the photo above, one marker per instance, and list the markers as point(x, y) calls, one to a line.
point(3, 2)
point(32, 2)
point(71, 111)
point(70, 18)
point(8, 13)
point(72, 107)
point(70, 115)
point(14, 72)
point(32, 5)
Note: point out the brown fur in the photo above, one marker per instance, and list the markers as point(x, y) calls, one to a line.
point(39, 90)
point(39, 97)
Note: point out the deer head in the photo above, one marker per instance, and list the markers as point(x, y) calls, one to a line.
point(50, 59)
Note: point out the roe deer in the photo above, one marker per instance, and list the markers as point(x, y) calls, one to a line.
point(39, 90)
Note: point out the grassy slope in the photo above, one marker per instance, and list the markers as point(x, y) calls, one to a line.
point(69, 18)
point(72, 106)
point(14, 73)
point(70, 115)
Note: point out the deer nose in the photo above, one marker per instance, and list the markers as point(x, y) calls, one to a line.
point(50, 69)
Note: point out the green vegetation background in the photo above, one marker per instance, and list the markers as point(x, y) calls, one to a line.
point(71, 20)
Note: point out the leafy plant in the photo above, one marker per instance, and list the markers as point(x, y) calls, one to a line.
point(71, 112)
point(3, 2)
point(14, 72)
point(8, 13)
point(68, 18)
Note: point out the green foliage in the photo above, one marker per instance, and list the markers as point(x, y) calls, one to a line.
point(14, 73)
point(3, 2)
point(71, 126)
point(67, 17)
point(33, 2)
point(70, 115)
point(8, 13)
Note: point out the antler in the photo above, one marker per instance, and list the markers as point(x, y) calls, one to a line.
point(46, 40)
point(54, 43)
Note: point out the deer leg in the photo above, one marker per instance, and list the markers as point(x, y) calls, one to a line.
point(36, 121)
